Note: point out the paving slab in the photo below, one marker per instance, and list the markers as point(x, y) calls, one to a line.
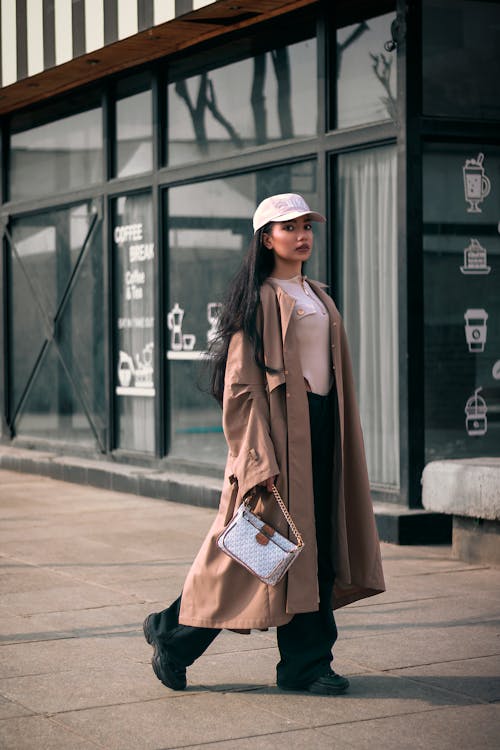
point(79, 623)
point(479, 581)
point(228, 642)
point(464, 728)
point(294, 739)
point(369, 696)
point(39, 733)
point(477, 678)
point(450, 611)
point(54, 656)
point(125, 683)
point(236, 671)
point(155, 544)
point(160, 592)
point(18, 577)
point(176, 722)
point(108, 574)
point(420, 646)
point(72, 596)
point(11, 709)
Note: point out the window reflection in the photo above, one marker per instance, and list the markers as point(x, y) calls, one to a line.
point(460, 67)
point(366, 73)
point(57, 330)
point(209, 231)
point(259, 100)
point(134, 134)
point(57, 157)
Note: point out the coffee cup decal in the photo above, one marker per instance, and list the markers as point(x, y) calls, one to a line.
point(475, 329)
point(188, 341)
point(477, 185)
point(476, 422)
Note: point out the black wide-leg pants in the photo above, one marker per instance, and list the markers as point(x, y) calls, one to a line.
point(305, 643)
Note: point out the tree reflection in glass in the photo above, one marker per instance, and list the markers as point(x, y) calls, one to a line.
point(270, 97)
point(360, 60)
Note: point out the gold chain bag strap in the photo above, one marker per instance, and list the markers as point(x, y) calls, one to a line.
point(253, 543)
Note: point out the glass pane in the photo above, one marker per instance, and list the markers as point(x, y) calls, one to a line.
point(209, 231)
point(134, 134)
point(82, 324)
point(259, 100)
point(57, 157)
point(133, 250)
point(59, 327)
point(462, 303)
point(367, 241)
point(461, 68)
point(52, 409)
point(366, 73)
point(27, 326)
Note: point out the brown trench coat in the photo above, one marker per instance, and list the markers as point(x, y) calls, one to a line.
point(266, 425)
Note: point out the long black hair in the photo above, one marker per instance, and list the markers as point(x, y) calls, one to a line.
point(239, 312)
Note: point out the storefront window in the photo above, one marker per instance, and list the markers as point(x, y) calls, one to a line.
point(209, 231)
point(367, 242)
point(462, 303)
point(366, 73)
point(134, 252)
point(57, 367)
point(134, 127)
point(460, 58)
point(264, 99)
point(59, 156)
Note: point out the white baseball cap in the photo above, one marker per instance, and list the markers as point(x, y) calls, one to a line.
point(281, 208)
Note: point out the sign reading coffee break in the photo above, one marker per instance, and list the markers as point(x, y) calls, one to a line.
point(134, 262)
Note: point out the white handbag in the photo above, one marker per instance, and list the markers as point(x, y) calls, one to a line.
point(257, 546)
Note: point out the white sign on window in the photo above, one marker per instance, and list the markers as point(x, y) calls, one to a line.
point(477, 185)
point(179, 341)
point(135, 374)
point(475, 259)
point(475, 329)
point(476, 422)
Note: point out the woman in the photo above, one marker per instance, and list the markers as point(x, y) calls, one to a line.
point(283, 374)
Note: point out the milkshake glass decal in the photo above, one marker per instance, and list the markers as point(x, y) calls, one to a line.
point(475, 259)
point(477, 185)
point(144, 367)
point(476, 423)
point(475, 329)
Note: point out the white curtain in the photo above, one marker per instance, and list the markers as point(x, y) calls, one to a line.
point(367, 239)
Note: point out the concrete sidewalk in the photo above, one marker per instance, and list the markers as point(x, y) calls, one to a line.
point(80, 569)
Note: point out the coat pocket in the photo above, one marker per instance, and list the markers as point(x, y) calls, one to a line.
point(275, 379)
